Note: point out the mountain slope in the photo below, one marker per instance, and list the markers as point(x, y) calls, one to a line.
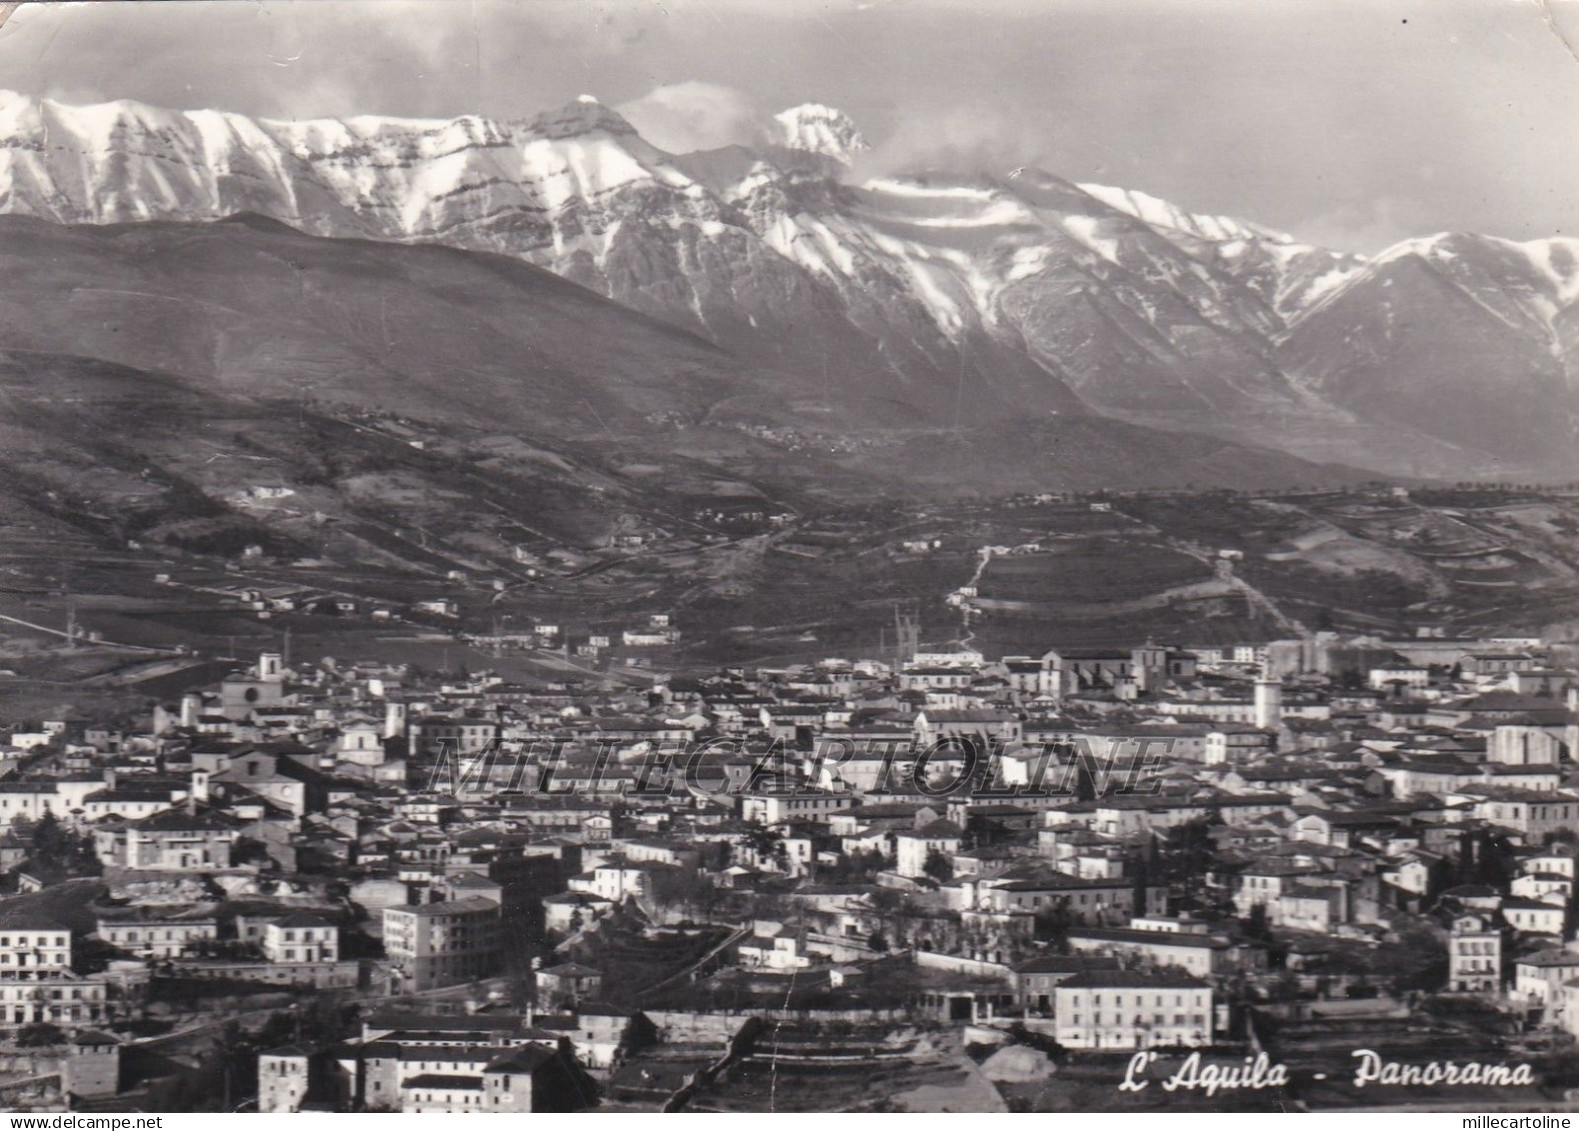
point(1456, 337)
point(253, 307)
point(482, 353)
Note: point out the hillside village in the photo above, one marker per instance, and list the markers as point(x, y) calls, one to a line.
point(935, 881)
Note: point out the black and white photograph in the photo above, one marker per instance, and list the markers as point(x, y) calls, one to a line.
point(789, 556)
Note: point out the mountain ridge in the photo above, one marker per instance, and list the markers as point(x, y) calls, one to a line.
point(961, 299)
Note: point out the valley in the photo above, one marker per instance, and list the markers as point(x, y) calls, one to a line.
point(785, 582)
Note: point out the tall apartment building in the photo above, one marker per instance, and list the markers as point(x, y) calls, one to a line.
point(442, 944)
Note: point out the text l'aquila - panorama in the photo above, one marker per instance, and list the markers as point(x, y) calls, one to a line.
point(1259, 1072)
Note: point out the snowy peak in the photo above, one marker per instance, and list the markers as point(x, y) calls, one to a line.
point(1554, 259)
point(1160, 213)
point(586, 115)
point(1558, 259)
point(818, 129)
point(1435, 248)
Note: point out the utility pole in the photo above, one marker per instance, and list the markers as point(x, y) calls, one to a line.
point(71, 606)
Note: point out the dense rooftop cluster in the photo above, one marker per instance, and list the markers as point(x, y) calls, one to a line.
point(483, 895)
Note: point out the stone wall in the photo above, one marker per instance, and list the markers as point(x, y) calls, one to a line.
point(684, 1027)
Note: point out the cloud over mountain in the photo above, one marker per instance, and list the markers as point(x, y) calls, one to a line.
point(686, 116)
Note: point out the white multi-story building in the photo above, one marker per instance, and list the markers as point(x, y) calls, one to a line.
point(793, 805)
point(442, 944)
point(1130, 1009)
point(32, 946)
point(36, 980)
point(283, 1080)
point(301, 938)
point(1474, 956)
point(1534, 916)
point(1514, 744)
point(1532, 812)
point(156, 938)
point(1539, 978)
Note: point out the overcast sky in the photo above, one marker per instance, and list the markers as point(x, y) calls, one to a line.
point(1348, 122)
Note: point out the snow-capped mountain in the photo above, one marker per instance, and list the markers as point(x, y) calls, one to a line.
point(1470, 339)
point(816, 128)
point(1162, 214)
point(935, 298)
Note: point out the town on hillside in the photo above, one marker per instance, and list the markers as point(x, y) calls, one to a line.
point(940, 881)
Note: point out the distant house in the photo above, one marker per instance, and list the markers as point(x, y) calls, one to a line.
point(171, 842)
point(1534, 916)
point(913, 847)
point(301, 938)
point(567, 983)
point(1035, 979)
point(1539, 978)
point(773, 946)
point(1201, 955)
point(564, 912)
